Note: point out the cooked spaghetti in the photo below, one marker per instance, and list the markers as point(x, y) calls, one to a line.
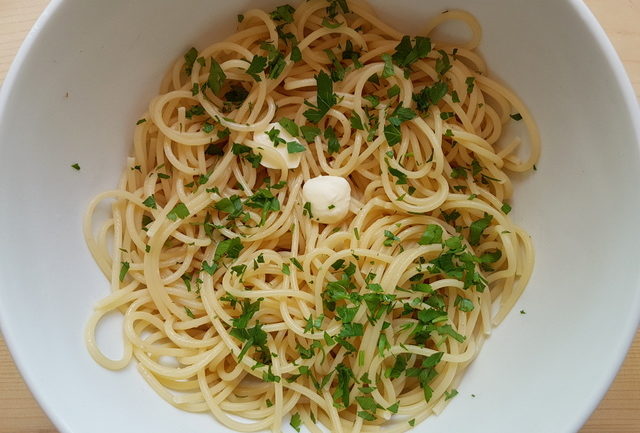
point(252, 295)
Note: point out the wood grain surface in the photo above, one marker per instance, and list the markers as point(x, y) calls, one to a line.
point(619, 412)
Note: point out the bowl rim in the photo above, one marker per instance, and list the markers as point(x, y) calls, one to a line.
point(631, 105)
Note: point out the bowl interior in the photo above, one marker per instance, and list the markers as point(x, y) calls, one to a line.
point(78, 87)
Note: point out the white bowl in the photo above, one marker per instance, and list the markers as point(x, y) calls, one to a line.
point(87, 71)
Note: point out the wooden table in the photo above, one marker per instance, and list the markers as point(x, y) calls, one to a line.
point(619, 412)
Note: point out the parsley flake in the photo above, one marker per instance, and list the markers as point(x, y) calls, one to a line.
point(216, 77)
point(189, 313)
point(295, 147)
point(325, 98)
point(258, 63)
point(405, 54)
point(289, 126)
point(449, 395)
point(309, 132)
point(333, 145)
point(150, 202)
point(189, 59)
point(296, 422)
point(431, 235)
point(179, 211)
point(388, 70)
point(477, 228)
point(124, 268)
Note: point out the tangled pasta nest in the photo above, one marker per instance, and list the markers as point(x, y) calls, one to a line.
point(237, 302)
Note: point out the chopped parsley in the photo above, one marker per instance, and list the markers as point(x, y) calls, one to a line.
point(295, 147)
point(392, 134)
point(228, 248)
point(231, 205)
point(216, 77)
point(247, 153)
point(373, 100)
point(258, 63)
point(356, 121)
point(283, 13)
point(400, 115)
point(402, 178)
point(289, 126)
point(324, 101)
point(189, 59)
point(390, 238)
point(296, 422)
point(150, 202)
point(285, 269)
point(350, 54)
point(207, 128)
point(431, 235)
point(406, 54)
point(124, 268)
point(309, 132)
point(194, 110)
point(314, 324)
point(333, 145)
point(388, 70)
point(306, 209)
point(209, 268)
point(76, 166)
point(296, 263)
point(263, 199)
point(276, 62)
point(463, 304)
point(430, 96)
point(478, 227)
point(326, 22)
point(470, 82)
point(296, 54)
point(393, 91)
point(337, 70)
point(443, 64)
point(189, 313)
point(179, 211)
point(448, 395)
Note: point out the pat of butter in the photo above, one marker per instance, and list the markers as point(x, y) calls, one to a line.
point(272, 156)
point(329, 197)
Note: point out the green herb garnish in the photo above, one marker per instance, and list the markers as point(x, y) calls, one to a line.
point(124, 268)
point(477, 228)
point(295, 422)
point(179, 211)
point(325, 99)
point(258, 63)
point(295, 147)
point(189, 59)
